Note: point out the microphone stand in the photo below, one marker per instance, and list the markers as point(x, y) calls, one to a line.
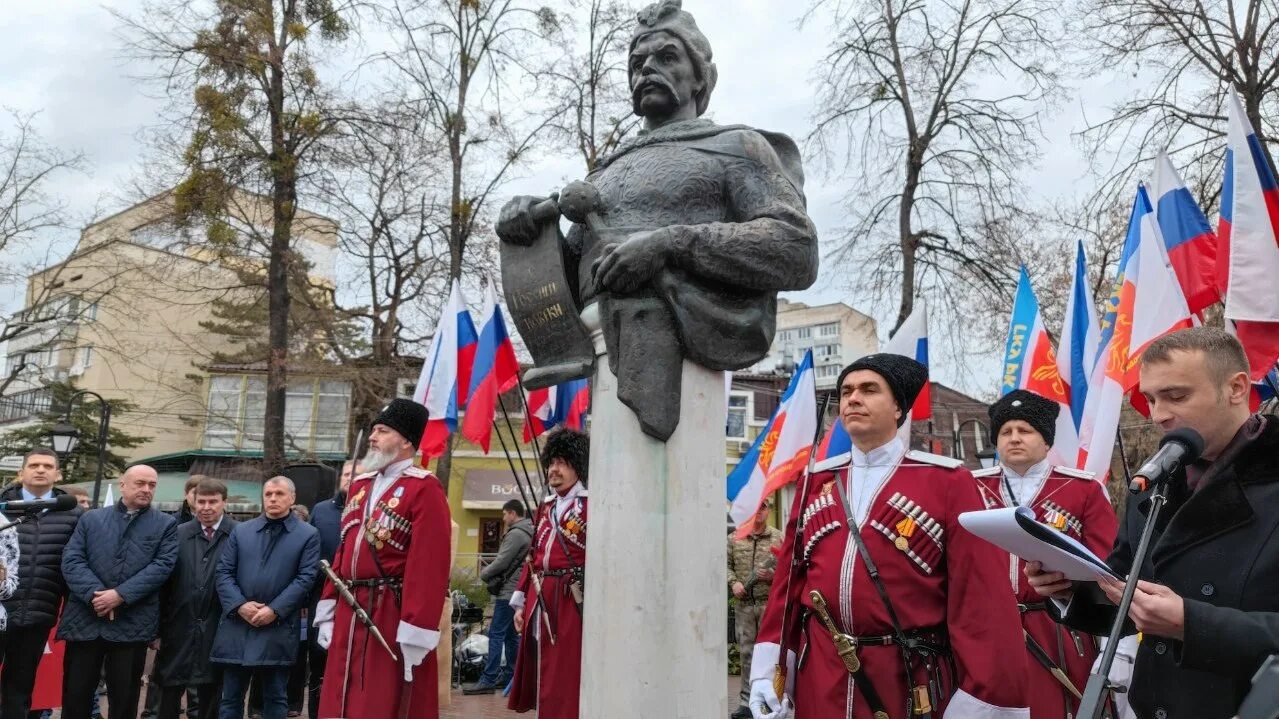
point(1099, 687)
point(20, 520)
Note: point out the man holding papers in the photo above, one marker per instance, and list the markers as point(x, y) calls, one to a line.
point(883, 607)
point(1022, 426)
point(1207, 604)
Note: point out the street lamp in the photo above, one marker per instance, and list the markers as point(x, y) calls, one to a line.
point(66, 437)
point(979, 436)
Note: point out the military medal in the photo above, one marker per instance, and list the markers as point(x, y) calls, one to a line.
point(905, 529)
point(393, 502)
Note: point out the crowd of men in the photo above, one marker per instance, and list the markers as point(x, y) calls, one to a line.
point(873, 602)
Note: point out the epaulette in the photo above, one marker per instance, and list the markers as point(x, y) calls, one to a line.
point(1076, 473)
point(549, 499)
point(583, 494)
point(832, 463)
point(935, 459)
point(987, 472)
point(366, 475)
point(416, 471)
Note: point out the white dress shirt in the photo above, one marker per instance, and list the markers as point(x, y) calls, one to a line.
point(384, 480)
point(867, 474)
point(1025, 487)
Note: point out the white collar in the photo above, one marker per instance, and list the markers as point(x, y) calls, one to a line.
point(1036, 471)
point(395, 469)
point(215, 524)
point(572, 493)
point(883, 456)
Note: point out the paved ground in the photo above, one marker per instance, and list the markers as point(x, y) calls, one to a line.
point(494, 706)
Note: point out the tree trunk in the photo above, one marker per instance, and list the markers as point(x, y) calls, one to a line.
point(909, 245)
point(283, 207)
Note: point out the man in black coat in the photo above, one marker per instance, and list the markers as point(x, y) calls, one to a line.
point(190, 610)
point(33, 609)
point(1208, 600)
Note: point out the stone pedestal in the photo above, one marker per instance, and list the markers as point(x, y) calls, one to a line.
point(655, 625)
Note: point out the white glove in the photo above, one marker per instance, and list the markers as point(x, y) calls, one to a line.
point(324, 635)
point(764, 703)
point(413, 656)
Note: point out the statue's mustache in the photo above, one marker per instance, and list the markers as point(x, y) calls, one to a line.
point(655, 81)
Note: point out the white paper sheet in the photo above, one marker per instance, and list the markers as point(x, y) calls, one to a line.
point(1016, 531)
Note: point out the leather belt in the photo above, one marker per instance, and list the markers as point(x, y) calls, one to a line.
point(1032, 607)
point(393, 582)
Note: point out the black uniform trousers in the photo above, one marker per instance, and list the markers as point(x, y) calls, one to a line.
point(83, 663)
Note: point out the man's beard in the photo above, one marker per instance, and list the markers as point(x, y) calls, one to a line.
point(375, 460)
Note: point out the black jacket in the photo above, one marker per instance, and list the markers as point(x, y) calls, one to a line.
point(189, 607)
point(1219, 550)
point(40, 584)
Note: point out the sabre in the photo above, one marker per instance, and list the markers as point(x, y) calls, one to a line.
point(345, 592)
point(546, 619)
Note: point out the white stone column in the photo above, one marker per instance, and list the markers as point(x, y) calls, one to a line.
point(655, 616)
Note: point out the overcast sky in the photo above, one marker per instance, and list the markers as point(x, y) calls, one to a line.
point(62, 58)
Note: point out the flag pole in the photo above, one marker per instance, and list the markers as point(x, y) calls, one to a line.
point(1123, 454)
point(507, 416)
point(537, 446)
point(528, 508)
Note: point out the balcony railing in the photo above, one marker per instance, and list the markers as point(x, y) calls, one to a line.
point(26, 405)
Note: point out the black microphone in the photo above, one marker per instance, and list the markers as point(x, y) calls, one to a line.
point(1177, 449)
point(60, 503)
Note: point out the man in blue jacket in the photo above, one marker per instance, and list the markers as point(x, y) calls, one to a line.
point(114, 565)
point(264, 580)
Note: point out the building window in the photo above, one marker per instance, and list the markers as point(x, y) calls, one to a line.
point(826, 351)
point(829, 330)
point(804, 333)
point(316, 415)
point(86, 357)
point(828, 370)
point(737, 405)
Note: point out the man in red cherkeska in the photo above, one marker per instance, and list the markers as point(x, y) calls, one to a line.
point(548, 600)
point(394, 553)
point(935, 630)
point(1023, 426)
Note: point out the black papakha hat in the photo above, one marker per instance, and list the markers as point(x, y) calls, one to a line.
point(905, 378)
point(406, 417)
point(1036, 411)
point(571, 446)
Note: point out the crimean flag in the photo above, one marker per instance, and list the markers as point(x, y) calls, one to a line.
point(495, 370)
point(780, 453)
point(1248, 244)
point(1146, 303)
point(452, 349)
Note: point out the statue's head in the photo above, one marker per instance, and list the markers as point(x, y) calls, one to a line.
point(669, 67)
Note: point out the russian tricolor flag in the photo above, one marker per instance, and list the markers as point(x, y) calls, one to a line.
point(1146, 304)
point(494, 371)
point(911, 341)
point(1031, 364)
point(566, 404)
point(446, 374)
point(1248, 244)
point(1076, 353)
point(780, 453)
point(1191, 243)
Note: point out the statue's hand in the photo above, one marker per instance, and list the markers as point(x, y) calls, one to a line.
point(623, 267)
point(523, 216)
